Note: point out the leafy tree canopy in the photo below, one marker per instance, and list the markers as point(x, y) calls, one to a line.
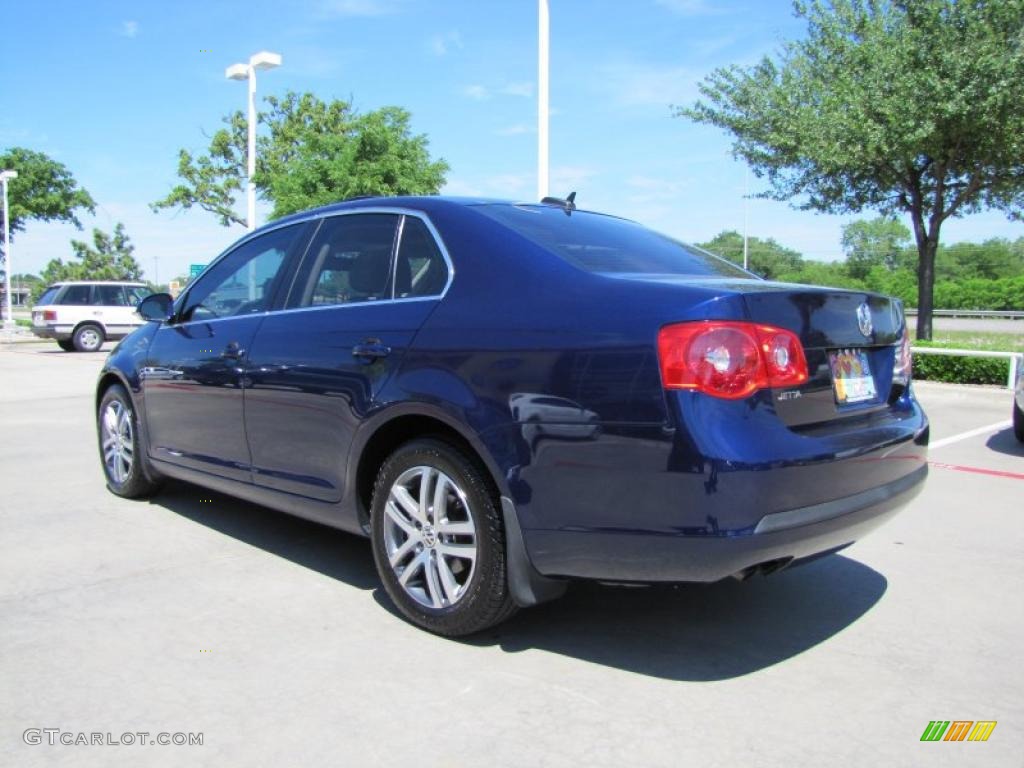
point(909, 106)
point(312, 153)
point(872, 243)
point(45, 190)
point(109, 257)
point(764, 257)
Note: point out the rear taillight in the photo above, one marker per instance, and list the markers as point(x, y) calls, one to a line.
point(50, 314)
point(903, 364)
point(729, 359)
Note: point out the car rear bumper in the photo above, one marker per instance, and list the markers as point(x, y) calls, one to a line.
point(778, 539)
point(52, 332)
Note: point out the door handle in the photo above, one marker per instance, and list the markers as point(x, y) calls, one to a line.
point(233, 351)
point(370, 350)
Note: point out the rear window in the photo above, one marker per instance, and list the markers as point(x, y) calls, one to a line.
point(599, 243)
point(75, 295)
point(48, 294)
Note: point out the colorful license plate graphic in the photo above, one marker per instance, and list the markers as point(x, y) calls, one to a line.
point(851, 376)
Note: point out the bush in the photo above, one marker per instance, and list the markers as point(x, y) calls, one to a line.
point(959, 370)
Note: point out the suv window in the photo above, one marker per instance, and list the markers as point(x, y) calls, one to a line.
point(108, 295)
point(75, 294)
point(136, 293)
point(351, 260)
point(242, 282)
point(420, 269)
point(48, 294)
point(600, 243)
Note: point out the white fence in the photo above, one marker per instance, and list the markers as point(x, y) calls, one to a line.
point(1015, 358)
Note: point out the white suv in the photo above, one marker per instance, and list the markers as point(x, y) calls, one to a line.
point(82, 315)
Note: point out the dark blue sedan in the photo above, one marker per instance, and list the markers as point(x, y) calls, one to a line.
point(505, 397)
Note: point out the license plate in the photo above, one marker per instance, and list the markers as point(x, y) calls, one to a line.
point(851, 376)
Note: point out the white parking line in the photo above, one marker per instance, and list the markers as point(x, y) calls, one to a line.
point(972, 433)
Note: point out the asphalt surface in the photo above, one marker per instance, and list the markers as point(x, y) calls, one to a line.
point(195, 613)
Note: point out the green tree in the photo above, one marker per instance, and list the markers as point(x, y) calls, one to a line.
point(874, 243)
point(902, 106)
point(45, 190)
point(764, 257)
point(313, 152)
point(109, 257)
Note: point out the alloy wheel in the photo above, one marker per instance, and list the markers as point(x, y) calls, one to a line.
point(117, 441)
point(430, 537)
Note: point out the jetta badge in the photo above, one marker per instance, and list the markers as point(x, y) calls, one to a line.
point(864, 319)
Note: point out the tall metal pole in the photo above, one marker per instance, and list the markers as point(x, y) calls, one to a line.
point(250, 221)
point(542, 99)
point(746, 204)
point(8, 312)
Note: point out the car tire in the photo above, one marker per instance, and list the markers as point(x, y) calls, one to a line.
point(1018, 422)
point(88, 337)
point(66, 344)
point(445, 569)
point(122, 449)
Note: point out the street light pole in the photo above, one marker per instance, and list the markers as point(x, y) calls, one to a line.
point(542, 98)
point(261, 60)
point(6, 176)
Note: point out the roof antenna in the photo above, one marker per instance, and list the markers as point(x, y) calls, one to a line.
point(568, 204)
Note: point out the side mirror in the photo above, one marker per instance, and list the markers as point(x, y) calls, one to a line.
point(159, 307)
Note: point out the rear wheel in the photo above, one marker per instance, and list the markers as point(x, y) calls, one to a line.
point(66, 344)
point(121, 447)
point(439, 540)
point(88, 338)
point(1018, 421)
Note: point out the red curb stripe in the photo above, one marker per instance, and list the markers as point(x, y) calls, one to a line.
point(978, 470)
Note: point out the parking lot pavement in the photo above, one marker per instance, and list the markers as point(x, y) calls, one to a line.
point(271, 636)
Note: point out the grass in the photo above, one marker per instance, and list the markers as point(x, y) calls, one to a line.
point(989, 340)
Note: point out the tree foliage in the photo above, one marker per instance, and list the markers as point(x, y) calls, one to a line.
point(764, 257)
point(902, 106)
point(312, 153)
point(45, 190)
point(878, 242)
point(108, 257)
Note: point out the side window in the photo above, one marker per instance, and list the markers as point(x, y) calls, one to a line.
point(136, 294)
point(421, 269)
point(351, 260)
point(108, 295)
point(244, 281)
point(75, 295)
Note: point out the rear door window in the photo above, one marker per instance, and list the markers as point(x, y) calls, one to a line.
point(77, 295)
point(349, 261)
point(48, 295)
point(109, 296)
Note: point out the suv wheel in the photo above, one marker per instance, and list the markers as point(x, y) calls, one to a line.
point(66, 344)
point(121, 447)
point(439, 540)
point(88, 338)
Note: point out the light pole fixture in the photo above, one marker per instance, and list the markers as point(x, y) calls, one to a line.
point(6, 176)
point(261, 60)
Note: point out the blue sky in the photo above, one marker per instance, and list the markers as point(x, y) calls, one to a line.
point(113, 90)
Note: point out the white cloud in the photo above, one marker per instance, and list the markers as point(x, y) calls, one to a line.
point(476, 92)
point(567, 178)
point(523, 88)
point(441, 45)
point(516, 129)
point(129, 29)
point(356, 7)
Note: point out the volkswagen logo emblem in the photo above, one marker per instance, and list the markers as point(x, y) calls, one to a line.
point(864, 319)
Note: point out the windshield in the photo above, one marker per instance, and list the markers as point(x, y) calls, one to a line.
point(599, 243)
point(48, 294)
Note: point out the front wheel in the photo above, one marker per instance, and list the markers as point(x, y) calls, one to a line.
point(439, 540)
point(121, 447)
